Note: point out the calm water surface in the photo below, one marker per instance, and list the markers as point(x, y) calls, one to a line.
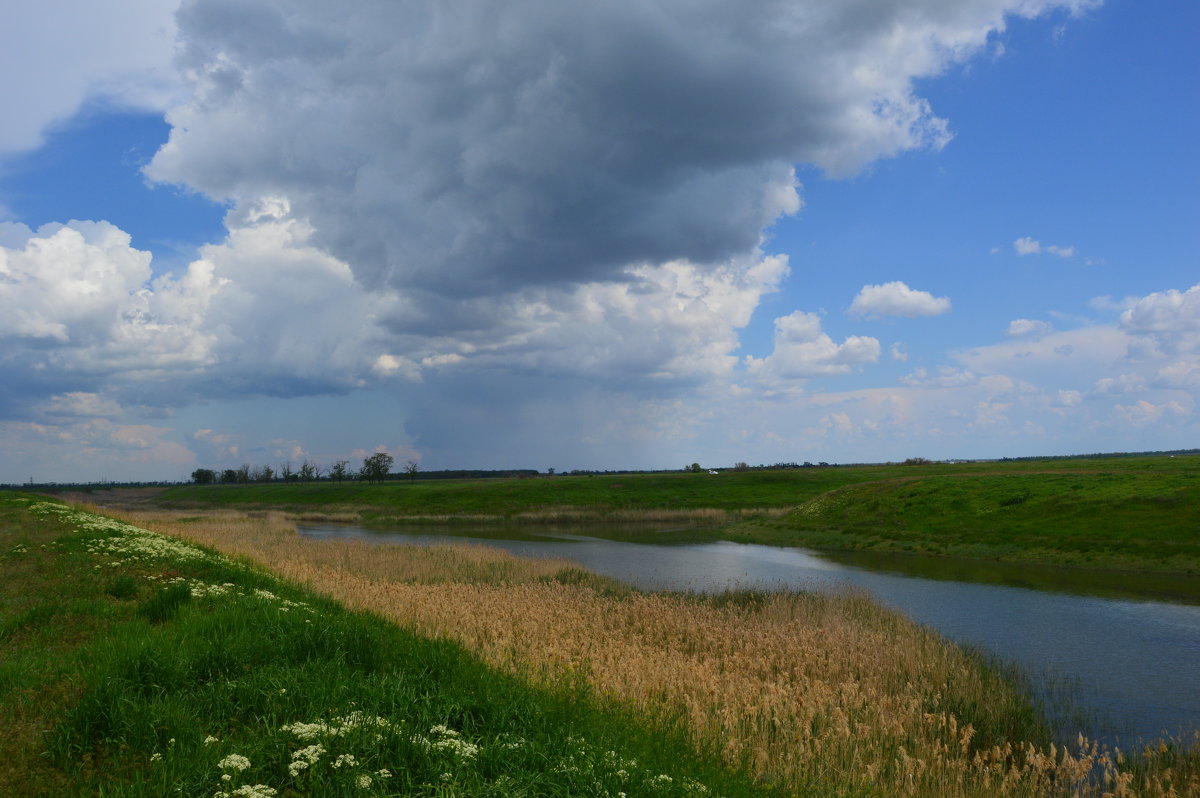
point(1136, 663)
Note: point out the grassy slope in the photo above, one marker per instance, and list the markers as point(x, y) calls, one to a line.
point(1139, 514)
point(1133, 520)
point(114, 683)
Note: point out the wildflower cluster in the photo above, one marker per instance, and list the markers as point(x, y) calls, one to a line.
point(338, 727)
point(247, 791)
point(124, 542)
point(444, 739)
point(284, 604)
point(305, 758)
point(621, 776)
point(202, 590)
point(356, 730)
point(232, 766)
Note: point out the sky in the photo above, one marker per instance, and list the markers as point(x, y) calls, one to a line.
point(636, 234)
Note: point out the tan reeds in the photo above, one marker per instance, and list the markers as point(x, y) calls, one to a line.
point(699, 516)
point(833, 692)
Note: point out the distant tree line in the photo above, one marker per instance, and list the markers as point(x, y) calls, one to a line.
point(375, 468)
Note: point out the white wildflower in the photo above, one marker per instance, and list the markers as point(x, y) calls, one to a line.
point(304, 757)
point(234, 762)
point(249, 791)
point(364, 782)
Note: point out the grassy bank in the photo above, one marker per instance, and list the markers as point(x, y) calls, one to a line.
point(1135, 514)
point(812, 695)
point(132, 664)
point(1147, 521)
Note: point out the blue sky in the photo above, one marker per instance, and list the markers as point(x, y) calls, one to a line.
point(669, 232)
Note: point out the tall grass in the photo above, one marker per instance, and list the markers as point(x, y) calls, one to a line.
point(829, 694)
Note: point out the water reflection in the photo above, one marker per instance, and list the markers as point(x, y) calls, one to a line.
point(1136, 661)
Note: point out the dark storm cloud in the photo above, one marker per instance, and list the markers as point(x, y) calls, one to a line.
point(470, 147)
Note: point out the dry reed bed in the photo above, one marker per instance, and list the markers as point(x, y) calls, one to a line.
point(831, 692)
point(551, 515)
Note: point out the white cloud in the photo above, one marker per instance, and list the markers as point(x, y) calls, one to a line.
point(1068, 398)
point(78, 298)
point(1165, 312)
point(1144, 413)
point(1125, 383)
point(944, 377)
point(896, 299)
point(265, 313)
point(261, 313)
point(81, 404)
point(803, 351)
point(1108, 304)
point(94, 449)
point(217, 446)
point(1082, 355)
point(899, 352)
point(1019, 328)
point(1027, 246)
point(1030, 246)
point(1179, 374)
point(72, 51)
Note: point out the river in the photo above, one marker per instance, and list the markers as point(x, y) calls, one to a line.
point(1134, 664)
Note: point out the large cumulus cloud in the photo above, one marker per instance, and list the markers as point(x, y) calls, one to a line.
point(84, 323)
point(469, 148)
point(81, 314)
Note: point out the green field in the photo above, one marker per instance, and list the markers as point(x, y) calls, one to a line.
point(1139, 514)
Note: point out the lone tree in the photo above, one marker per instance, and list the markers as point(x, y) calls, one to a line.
point(339, 470)
point(411, 468)
point(377, 467)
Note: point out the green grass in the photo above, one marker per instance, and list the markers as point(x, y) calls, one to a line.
point(129, 669)
point(1145, 521)
point(730, 490)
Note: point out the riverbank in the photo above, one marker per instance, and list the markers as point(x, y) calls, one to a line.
point(814, 695)
point(1137, 514)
